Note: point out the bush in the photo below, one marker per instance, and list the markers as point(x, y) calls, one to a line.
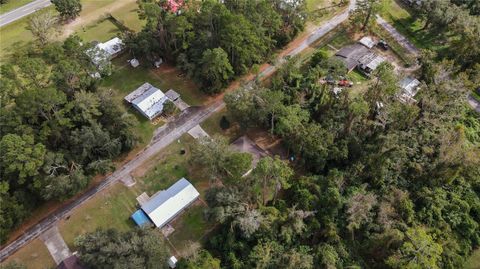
point(224, 123)
point(169, 108)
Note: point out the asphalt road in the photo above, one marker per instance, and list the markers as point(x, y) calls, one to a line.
point(398, 36)
point(23, 11)
point(163, 136)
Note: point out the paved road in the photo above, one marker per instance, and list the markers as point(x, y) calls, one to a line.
point(398, 37)
point(163, 136)
point(316, 34)
point(23, 11)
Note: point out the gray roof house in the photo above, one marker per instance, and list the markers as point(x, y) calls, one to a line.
point(165, 205)
point(148, 100)
point(351, 54)
point(360, 55)
point(369, 62)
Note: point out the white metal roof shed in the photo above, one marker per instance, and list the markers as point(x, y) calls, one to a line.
point(148, 100)
point(367, 41)
point(165, 205)
point(112, 46)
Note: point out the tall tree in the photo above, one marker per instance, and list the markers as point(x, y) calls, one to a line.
point(272, 175)
point(140, 248)
point(68, 9)
point(418, 251)
point(364, 11)
point(22, 158)
point(215, 70)
point(43, 26)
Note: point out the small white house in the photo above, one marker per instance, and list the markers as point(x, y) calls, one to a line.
point(148, 100)
point(102, 53)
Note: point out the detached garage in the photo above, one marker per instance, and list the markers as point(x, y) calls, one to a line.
point(165, 205)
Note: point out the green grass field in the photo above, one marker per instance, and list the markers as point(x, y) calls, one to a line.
point(110, 208)
point(473, 261)
point(212, 126)
point(128, 15)
point(12, 4)
point(401, 18)
point(125, 79)
point(101, 31)
point(15, 34)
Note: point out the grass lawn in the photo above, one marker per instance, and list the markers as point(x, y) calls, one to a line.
point(91, 5)
point(101, 31)
point(129, 17)
point(401, 18)
point(13, 4)
point(167, 167)
point(320, 10)
point(35, 255)
point(110, 208)
point(474, 261)
point(212, 126)
point(191, 227)
point(15, 35)
point(125, 79)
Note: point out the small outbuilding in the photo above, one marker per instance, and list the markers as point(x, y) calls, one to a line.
point(148, 100)
point(172, 262)
point(369, 62)
point(172, 95)
point(134, 62)
point(367, 41)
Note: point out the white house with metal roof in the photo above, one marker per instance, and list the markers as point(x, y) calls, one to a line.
point(148, 100)
point(105, 51)
point(166, 205)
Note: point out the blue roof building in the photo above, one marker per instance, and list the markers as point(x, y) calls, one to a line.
point(140, 218)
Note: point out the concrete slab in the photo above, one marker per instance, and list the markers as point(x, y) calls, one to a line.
point(143, 198)
point(128, 181)
point(181, 104)
point(56, 245)
point(197, 132)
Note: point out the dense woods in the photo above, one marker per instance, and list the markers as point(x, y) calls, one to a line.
point(391, 186)
point(57, 128)
point(213, 41)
